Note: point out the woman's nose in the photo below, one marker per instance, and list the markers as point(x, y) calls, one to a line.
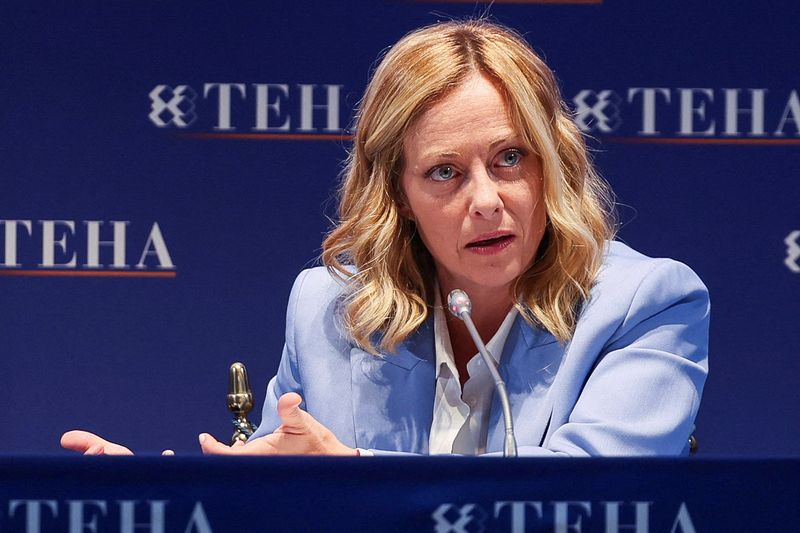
point(485, 200)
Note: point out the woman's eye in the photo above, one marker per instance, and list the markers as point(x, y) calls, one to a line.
point(510, 158)
point(442, 173)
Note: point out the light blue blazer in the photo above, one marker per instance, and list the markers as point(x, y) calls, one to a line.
point(628, 382)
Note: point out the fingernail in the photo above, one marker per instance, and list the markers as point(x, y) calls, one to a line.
point(202, 438)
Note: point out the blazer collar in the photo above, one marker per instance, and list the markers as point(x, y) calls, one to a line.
point(393, 394)
point(533, 336)
point(419, 346)
point(531, 358)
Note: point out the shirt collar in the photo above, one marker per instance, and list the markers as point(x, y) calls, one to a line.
point(445, 362)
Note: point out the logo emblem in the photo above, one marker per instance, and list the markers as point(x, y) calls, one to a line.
point(172, 106)
point(449, 518)
point(597, 110)
point(792, 260)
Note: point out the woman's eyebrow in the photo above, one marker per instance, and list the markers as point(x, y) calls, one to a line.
point(445, 154)
point(504, 139)
point(436, 154)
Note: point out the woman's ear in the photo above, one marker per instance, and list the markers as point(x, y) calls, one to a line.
point(405, 211)
point(400, 197)
point(403, 208)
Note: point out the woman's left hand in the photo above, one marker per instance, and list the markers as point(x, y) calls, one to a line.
point(298, 434)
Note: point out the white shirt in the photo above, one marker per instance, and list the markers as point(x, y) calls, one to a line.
point(461, 418)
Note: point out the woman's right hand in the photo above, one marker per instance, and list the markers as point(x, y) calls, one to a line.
point(91, 444)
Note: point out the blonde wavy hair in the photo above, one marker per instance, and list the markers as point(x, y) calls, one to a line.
point(389, 292)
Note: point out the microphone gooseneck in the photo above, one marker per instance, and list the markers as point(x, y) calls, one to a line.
point(460, 306)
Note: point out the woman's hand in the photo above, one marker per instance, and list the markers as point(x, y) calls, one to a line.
point(91, 444)
point(298, 434)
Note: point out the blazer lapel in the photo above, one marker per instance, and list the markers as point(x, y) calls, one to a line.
point(393, 394)
point(531, 358)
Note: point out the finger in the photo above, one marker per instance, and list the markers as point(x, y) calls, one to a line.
point(292, 417)
point(237, 443)
point(168, 452)
point(211, 446)
point(95, 449)
point(80, 441)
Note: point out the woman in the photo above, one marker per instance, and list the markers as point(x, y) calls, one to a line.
point(467, 172)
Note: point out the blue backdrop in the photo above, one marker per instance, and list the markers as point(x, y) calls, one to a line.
point(168, 168)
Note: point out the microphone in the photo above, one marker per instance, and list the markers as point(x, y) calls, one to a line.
point(460, 306)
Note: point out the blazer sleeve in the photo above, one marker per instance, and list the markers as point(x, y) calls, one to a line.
point(643, 392)
point(287, 379)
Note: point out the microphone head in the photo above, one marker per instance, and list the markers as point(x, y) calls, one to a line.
point(458, 302)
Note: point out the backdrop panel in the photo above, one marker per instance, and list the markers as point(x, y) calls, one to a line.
point(168, 169)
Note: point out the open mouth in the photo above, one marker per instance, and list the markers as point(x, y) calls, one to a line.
point(495, 242)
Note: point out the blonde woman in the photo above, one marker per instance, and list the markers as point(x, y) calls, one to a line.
point(467, 172)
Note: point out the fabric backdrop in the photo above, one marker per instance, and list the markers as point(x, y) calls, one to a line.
point(168, 167)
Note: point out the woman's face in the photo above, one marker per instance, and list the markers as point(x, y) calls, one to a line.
point(474, 191)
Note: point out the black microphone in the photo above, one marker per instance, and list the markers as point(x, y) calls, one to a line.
point(459, 304)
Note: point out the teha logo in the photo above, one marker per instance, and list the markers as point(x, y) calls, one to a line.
point(468, 518)
point(575, 2)
point(563, 515)
point(597, 110)
point(170, 106)
point(693, 115)
point(75, 248)
point(250, 110)
point(792, 260)
point(103, 515)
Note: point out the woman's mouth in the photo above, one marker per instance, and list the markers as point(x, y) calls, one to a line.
point(491, 245)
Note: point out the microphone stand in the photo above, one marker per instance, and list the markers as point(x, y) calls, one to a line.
point(460, 306)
